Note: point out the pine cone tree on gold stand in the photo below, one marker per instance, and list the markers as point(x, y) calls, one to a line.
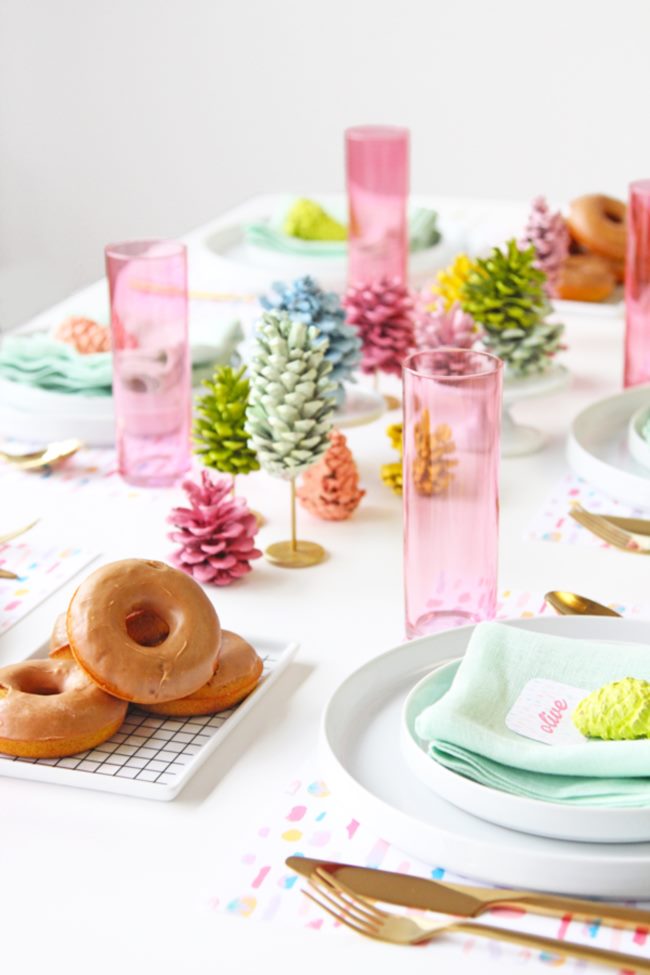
point(432, 466)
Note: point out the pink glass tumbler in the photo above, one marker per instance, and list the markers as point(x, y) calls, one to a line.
point(377, 164)
point(452, 420)
point(637, 286)
point(151, 363)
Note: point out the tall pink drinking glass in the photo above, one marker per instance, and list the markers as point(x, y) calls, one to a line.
point(151, 363)
point(377, 164)
point(452, 420)
point(637, 286)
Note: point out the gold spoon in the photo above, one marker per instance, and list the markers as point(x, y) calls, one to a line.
point(570, 604)
point(51, 454)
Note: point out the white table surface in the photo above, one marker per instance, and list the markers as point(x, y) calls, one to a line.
point(96, 882)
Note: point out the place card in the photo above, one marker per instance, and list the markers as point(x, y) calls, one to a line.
point(543, 712)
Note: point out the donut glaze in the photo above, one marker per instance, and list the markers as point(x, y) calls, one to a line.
point(585, 277)
point(101, 643)
point(59, 638)
point(598, 223)
point(238, 672)
point(50, 708)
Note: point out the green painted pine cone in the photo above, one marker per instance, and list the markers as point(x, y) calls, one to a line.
point(219, 431)
point(506, 290)
point(525, 352)
point(291, 404)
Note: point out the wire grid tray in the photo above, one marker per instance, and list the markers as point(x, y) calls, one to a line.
point(152, 757)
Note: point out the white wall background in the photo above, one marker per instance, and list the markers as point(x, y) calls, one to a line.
point(122, 118)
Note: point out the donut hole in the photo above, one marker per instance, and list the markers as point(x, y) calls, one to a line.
point(41, 684)
point(3, 690)
point(614, 215)
point(147, 628)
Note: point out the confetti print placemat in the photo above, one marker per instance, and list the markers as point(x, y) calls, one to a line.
point(553, 524)
point(42, 565)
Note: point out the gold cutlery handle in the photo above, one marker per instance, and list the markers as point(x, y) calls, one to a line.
point(5, 574)
point(581, 910)
point(603, 956)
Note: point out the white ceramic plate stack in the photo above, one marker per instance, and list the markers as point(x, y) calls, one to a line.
point(380, 769)
point(605, 446)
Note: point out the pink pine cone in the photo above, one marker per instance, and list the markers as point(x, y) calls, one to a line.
point(549, 235)
point(216, 534)
point(384, 317)
point(437, 327)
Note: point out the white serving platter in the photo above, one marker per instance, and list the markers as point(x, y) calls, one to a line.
point(150, 756)
point(561, 821)
point(363, 765)
point(598, 448)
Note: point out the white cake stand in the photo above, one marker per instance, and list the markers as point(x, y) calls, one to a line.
point(516, 439)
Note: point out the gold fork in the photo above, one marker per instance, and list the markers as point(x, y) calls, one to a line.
point(364, 917)
point(610, 533)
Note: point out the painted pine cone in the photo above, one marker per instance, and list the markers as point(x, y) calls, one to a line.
point(291, 401)
point(304, 301)
point(383, 314)
point(215, 535)
point(330, 488)
point(84, 334)
point(547, 232)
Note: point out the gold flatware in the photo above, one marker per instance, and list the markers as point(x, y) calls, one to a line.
point(366, 918)
point(460, 899)
point(51, 454)
point(571, 604)
point(636, 526)
point(609, 532)
point(9, 536)
point(5, 574)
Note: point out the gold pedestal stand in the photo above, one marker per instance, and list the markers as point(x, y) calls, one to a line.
point(259, 517)
point(295, 554)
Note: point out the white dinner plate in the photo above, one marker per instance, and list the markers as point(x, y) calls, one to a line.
point(637, 444)
point(598, 448)
point(561, 821)
point(363, 764)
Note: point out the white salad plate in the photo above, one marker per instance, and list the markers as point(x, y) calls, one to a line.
point(362, 762)
point(561, 821)
point(637, 444)
point(598, 447)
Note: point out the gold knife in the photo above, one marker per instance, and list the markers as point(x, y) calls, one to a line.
point(464, 901)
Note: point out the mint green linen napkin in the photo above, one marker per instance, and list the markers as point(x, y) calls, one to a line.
point(423, 233)
point(466, 728)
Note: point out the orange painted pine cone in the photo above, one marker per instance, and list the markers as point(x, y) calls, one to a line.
point(85, 335)
point(330, 488)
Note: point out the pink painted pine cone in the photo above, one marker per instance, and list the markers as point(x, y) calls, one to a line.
point(383, 314)
point(436, 327)
point(549, 235)
point(330, 487)
point(216, 534)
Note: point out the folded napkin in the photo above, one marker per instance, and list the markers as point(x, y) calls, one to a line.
point(423, 233)
point(466, 728)
point(36, 360)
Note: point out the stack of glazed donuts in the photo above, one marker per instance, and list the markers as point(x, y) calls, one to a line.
point(597, 227)
point(135, 632)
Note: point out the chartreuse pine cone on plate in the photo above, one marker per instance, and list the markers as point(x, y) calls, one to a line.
point(219, 430)
point(615, 712)
point(309, 221)
point(291, 404)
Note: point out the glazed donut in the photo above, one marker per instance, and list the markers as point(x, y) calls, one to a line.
point(101, 633)
point(51, 708)
point(59, 638)
point(598, 223)
point(237, 674)
point(584, 277)
point(147, 629)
